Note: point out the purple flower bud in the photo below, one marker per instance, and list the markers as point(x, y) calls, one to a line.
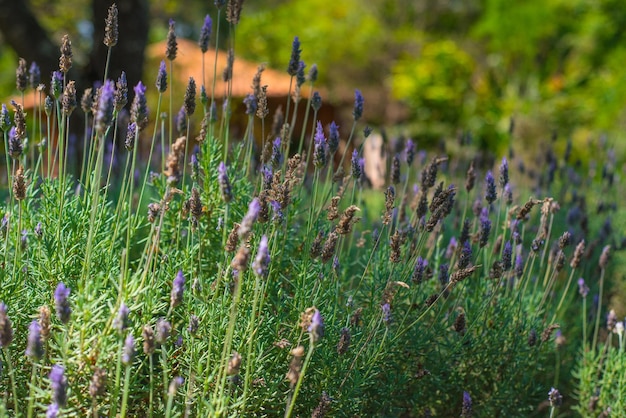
point(56, 84)
point(409, 151)
point(507, 256)
point(466, 409)
point(490, 193)
point(161, 81)
point(357, 112)
point(5, 119)
point(261, 263)
point(52, 411)
point(222, 178)
point(34, 345)
point(205, 34)
point(139, 108)
point(313, 73)
point(120, 323)
point(294, 61)
point(333, 137)
point(39, 230)
point(485, 228)
point(131, 134)
point(121, 92)
point(178, 289)
point(58, 385)
point(319, 153)
point(508, 194)
point(181, 121)
point(466, 255)
point(277, 216)
point(248, 221)
point(300, 77)
point(251, 104)
point(190, 97)
point(504, 172)
point(386, 308)
point(277, 156)
point(316, 329)
point(316, 101)
point(106, 106)
point(519, 266)
point(418, 271)
point(34, 75)
point(62, 303)
point(583, 289)
point(357, 169)
point(163, 330)
point(129, 350)
point(452, 246)
point(443, 274)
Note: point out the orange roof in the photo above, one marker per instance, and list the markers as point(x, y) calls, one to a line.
point(188, 63)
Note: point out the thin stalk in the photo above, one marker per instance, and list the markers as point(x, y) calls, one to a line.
point(598, 312)
point(126, 390)
point(31, 392)
point(118, 375)
point(9, 365)
point(294, 396)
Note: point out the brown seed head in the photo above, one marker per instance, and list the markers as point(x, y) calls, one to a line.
point(110, 27)
point(65, 61)
point(578, 254)
point(19, 184)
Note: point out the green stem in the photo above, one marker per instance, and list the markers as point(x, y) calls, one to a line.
point(126, 390)
point(292, 401)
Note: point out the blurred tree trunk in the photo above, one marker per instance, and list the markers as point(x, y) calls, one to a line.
point(22, 32)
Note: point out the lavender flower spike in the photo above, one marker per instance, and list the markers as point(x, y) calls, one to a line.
point(161, 81)
point(129, 350)
point(333, 137)
point(262, 260)
point(205, 34)
point(34, 345)
point(139, 108)
point(319, 153)
point(222, 179)
point(316, 329)
point(356, 165)
point(358, 105)
point(178, 289)
point(58, 384)
point(163, 330)
point(120, 323)
point(62, 303)
point(246, 223)
point(490, 193)
point(294, 62)
point(466, 409)
point(52, 411)
point(106, 105)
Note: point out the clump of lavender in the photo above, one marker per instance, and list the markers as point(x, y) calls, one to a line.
point(178, 289)
point(62, 303)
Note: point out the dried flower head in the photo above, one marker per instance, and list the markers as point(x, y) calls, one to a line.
point(555, 398)
point(44, 322)
point(295, 366)
point(147, 334)
point(110, 27)
point(19, 184)
point(578, 254)
point(19, 120)
point(21, 75)
point(344, 341)
point(241, 259)
point(316, 328)
point(322, 407)
point(328, 250)
point(227, 75)
point(604, 257)
point(172, 45)
point(97, 385)
point(163, 330)
point(121, 92)
point(233, 11)
point(68, 101)
point(65, 61)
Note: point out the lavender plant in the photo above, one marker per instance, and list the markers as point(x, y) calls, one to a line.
point(439, 299)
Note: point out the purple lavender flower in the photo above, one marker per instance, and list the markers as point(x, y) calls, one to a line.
point(418, 270)
point(106, 106)
point(294, 61)
point(62, 303)
point(163, 330)
point(485, 227)
point(409, 151)
point(129, 350)
point(444, 277)
point(178, 289)
point(121, 92)
point(161, 81)
point(268, 177)
point(504, 172)
point(300, 76)
point(131, 135)
point(508, 194)
point(277, 211)
point(357, 112)
point(52, 411)
point(120, 323)
point(319, 153)
point(56, 84)
point(251, 104)
point(139, 108)
point(451, 249)
point(336, 264)
point(181, 121)
point(261, 263)
point(58, 385)
point(356, 165)
point(386, 308)
point(222, 178)
point(172, 45)
point(555, 398)
point(313, 73)
point(316, 101)
point(316, 329)
point(34, 345)
point(466, 409)
point(190, 97)
point(277, 156)
point(490, 193)
point(6, 328)
point(583, 289)
point(16, 147)
point(34, 75)
point(5, 119)
point(519, 266)
point(248, 221)
point(507, 255)
point(205, 34)
point(333, 137)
